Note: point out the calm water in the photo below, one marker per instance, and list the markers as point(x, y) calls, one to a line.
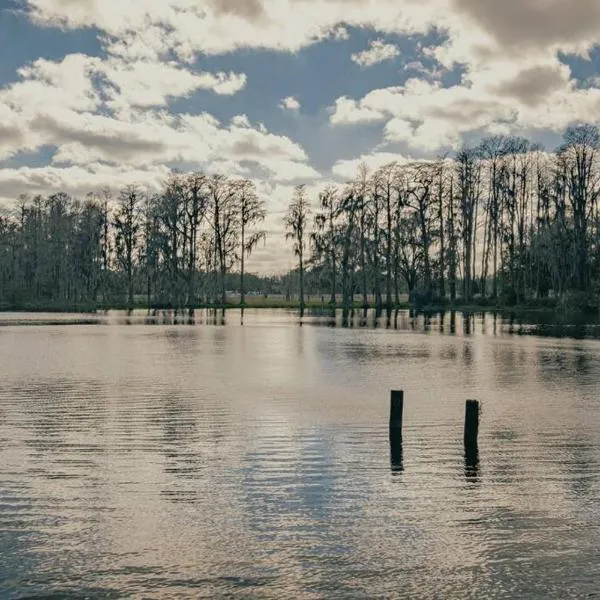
point(203, 461)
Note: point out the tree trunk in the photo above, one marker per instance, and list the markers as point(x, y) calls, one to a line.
point(242, 290)
point(301, 265)
point(363, 262)
point(442, 282)
point(388, 255)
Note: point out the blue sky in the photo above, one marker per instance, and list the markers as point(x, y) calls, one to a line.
point(97, 93)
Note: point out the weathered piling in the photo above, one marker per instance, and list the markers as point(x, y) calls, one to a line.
point(396, 416)
point(471, 422)
point(471, 433)
point(396, 413)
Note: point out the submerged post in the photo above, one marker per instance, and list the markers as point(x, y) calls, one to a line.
point(396, 410)
point(471, 423)
point(396, 414)
point(471, 432)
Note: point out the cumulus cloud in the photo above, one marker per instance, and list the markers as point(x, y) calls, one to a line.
point(290, 103)
point(433, 73)
point(516, 40)
point(82, 83)
point(519, 25)
point(148, 83)
point(377, 52)
point(532, 85)
point(288, 170)
point(76, 180)
point(347, 111)
point(253, 144)
point(513, 77)
point(189, 27)
point(97, 138)
point(95, 110)
point(593, 82)
point(347, 169)
point(505, 94)
point(67, 83)
point(250, 10)
point(241, 121)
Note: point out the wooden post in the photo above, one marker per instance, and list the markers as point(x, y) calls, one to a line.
point(396, 410)
point(396, 413)
point(471, 431)
point(471, 423)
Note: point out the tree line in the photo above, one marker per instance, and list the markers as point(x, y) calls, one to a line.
point(176, 247)
point(502, 221)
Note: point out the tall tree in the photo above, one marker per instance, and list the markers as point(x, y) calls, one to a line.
point(296, 224)
point(580, 156)
point(127, 229)
point(384, 181)
point(325, 235)
point(421, 201)
point(411, 253)
point(468, 171)
point(196, 205)
point(225, 224)
point(252, 212)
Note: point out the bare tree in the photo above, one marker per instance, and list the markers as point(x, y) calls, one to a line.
point(468, 172)
point(579, 154)
point(127, 229)
point(252, 212)
point(411, 254)
point(296, 224)
point(421, 200)
point(225, 225)
point(196, 205)
point(325, 235)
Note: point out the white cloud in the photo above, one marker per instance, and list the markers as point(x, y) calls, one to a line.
point(157, 137)
point(148, 83)
point(521, 27)
point(288, 170)
point(67, 84)
point(340, 33)
point(377, 52)
point(349, 112)
point(290, 103)
point(105, 110)
point(79, 91)
point(348, 168)
point(592, 82)
point(137, 28)
point(504, 95)
point(76, 180)
point(433, 73)
point(241, 121)
point(476, 29)
point(515, 42)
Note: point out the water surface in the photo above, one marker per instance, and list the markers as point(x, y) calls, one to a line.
point(151, 458)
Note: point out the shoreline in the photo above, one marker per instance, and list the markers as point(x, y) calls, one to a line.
point(552, 312)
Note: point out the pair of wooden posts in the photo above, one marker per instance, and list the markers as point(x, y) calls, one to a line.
point(471, 430)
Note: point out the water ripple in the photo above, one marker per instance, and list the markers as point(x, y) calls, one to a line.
point(254, 462)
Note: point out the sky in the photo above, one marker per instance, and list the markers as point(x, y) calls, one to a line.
point(105, 93)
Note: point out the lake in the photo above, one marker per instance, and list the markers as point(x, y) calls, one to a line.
point(143, 458)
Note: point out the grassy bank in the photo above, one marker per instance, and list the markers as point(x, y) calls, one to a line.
point(535, 311)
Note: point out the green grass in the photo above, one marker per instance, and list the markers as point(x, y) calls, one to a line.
point(545, 310)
